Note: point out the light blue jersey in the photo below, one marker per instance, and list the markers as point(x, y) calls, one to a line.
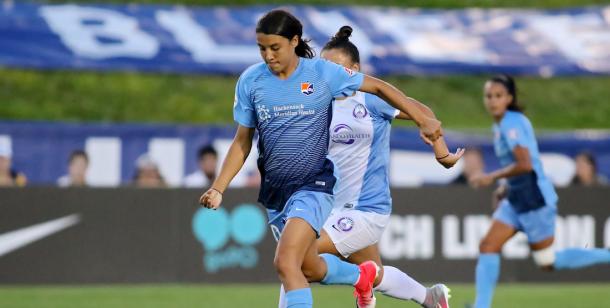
point(533, 190)
point(360, 148)
point(292, 117)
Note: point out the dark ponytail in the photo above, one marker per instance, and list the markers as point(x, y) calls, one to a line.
point(511, 87)
point(280, 22)
point(341, 41)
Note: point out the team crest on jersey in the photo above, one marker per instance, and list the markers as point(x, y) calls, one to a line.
point(307, 88)
point(345, 224)
point(360, 111)
point(512, 134)
point(348, 71)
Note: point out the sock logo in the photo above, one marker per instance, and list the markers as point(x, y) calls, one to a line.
point(229, 239)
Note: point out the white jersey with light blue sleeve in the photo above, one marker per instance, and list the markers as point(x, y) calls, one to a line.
point(532, 190)
point(292, 117)
point(360, 148)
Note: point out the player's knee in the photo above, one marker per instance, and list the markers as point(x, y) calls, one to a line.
point(544, 258)
point(283, 265)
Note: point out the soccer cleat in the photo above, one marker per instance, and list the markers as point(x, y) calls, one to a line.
point(371, 304)
point(437, 296)
point(364, 286)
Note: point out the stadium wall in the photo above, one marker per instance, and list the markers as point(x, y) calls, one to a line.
point(70, 236)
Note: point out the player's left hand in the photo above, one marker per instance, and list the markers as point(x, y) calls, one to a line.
point(452, 158)
point(430, 130)
point(481, 180)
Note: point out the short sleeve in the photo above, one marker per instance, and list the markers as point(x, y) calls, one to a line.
point(514, 132)
point(341, 80)
point(243, 107)
point(380, 108)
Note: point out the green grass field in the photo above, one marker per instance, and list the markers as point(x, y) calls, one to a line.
point(264, 296)
point(129, 97)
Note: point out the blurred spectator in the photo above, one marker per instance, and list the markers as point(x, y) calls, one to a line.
point(147, 173)
point(253, 179)
point(586, 171)
point(77, 170)
point(8, 176)
point(207, 160)
point(473, 165)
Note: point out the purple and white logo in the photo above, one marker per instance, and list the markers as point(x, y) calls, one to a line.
point(345, 224)
point(342, 133)
point(360, 111)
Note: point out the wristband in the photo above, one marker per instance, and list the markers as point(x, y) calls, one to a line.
point(218, 191)
point(439, 158)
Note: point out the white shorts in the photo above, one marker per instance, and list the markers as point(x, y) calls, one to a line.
point(352, 230)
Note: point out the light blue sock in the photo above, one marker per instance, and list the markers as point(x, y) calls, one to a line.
point(572, 258)
point(487, 272)
point(339, 272)
point(299, 298)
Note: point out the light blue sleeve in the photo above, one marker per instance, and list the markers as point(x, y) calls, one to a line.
point(514, 130)
point(379, 107)
point(243, 107)
point(342, 81)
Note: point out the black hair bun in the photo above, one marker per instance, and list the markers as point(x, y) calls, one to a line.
point(344, 33)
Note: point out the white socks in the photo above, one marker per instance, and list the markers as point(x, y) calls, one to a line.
point(399, 285)
point(395, 284)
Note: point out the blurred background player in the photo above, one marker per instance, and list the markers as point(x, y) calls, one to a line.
point(9, 176)
point(279, 98)
point(363, 203)
point(207, 160)
point(530, 204)
point(147, 173)
point(77, 170)
point(586, 171)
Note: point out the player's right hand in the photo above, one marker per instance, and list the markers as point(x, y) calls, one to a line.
point(211, 199)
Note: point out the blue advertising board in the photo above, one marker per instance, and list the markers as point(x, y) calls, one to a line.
point(221, 40)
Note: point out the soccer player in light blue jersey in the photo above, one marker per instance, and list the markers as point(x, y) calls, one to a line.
point(288, 100)
point(528, 201)
point(360, 149)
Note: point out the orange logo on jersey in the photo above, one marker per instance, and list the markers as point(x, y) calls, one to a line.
point(306, 88)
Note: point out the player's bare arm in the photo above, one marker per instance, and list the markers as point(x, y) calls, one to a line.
point(236, 157)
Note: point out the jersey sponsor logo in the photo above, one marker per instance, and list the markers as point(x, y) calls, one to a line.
point(344, 134)
point(345, 224)
point(263, 113)
point(307, 88)
point(360, 111)
point(348, 71)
